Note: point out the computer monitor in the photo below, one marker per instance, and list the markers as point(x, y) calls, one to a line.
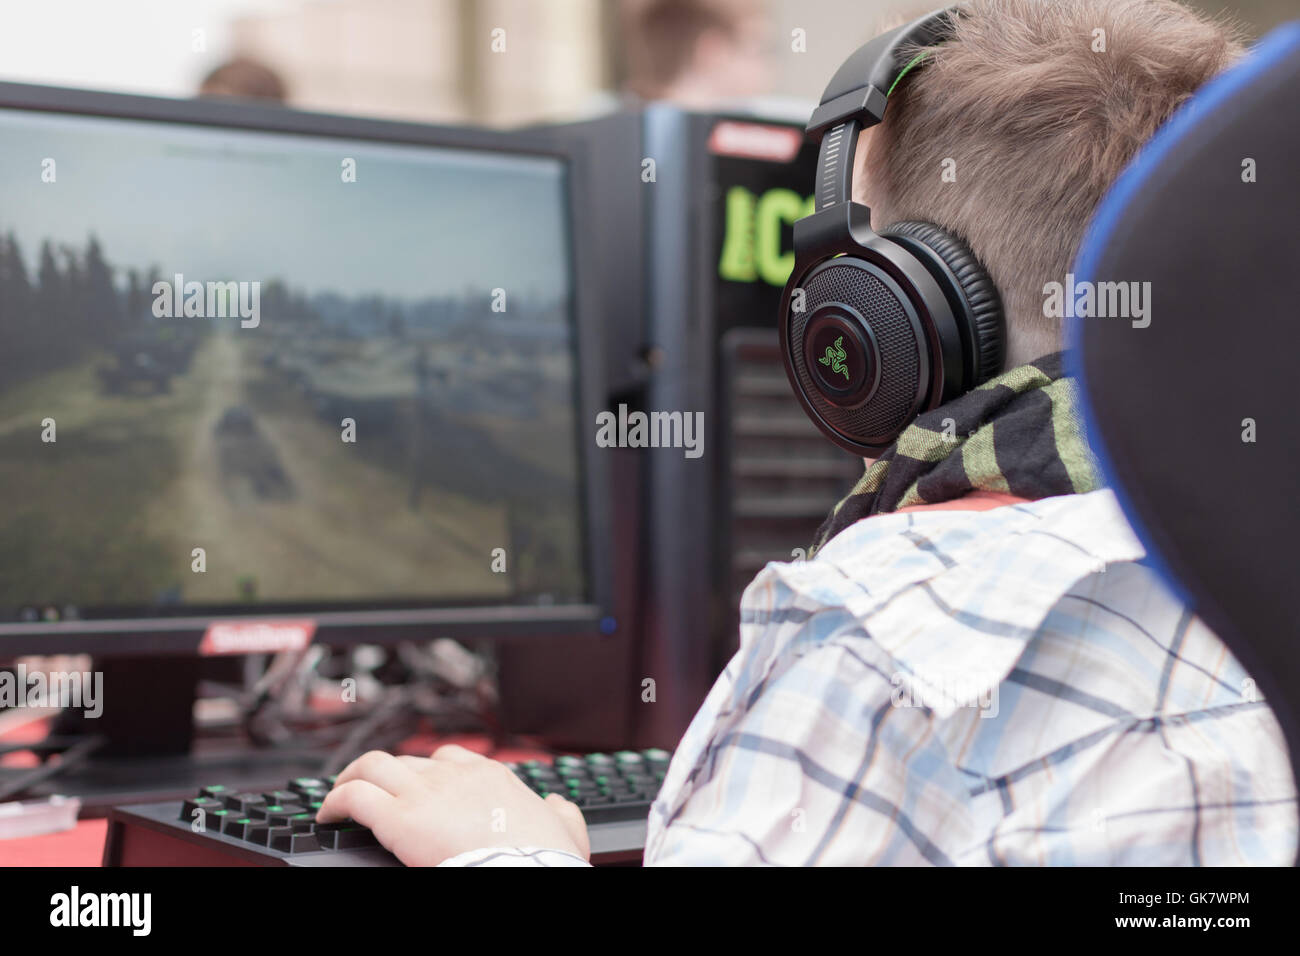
point(260, 365)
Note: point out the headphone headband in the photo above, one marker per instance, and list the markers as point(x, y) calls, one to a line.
point(860, 86)
point(856, 96)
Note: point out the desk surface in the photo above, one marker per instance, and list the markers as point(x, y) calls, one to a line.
point(83, 845)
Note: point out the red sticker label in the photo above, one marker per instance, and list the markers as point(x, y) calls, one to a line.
point(256, 637)
point(777, 144)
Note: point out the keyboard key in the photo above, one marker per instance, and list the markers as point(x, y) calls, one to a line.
point(344, 836)
point(260, 832)
point(216, 818)
point(281, 817)
point(243, 802)
point(292, 842)
point(304, 843)
point(206, 804)
point(236, 826)
point(281, 796)
point(355, 838)
point(300, 784)
point(218, 790)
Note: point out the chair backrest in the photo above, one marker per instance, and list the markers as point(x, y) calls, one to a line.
point(1191, 399)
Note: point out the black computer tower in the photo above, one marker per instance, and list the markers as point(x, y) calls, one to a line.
point(694, 217)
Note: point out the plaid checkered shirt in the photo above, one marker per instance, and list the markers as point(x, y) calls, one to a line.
point(1005, 687)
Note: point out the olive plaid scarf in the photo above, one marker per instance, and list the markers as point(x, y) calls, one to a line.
point(1017, 433)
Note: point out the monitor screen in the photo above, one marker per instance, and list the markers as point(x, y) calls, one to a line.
point(247, 372)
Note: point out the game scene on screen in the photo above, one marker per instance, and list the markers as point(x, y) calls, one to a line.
point(344, 372)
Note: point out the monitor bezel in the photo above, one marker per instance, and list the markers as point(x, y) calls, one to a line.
point(181, 635)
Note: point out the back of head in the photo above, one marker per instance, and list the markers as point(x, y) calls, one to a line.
point(244, 78)
point(1014, 129)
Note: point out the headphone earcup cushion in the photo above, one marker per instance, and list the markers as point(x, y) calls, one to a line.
point(981, 295)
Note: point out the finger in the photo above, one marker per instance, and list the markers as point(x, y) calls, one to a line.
point(358, 800)
point(382, 769)
point(573, 821)
point(371, 807)
point(453, 753)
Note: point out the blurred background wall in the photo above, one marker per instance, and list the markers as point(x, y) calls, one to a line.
point(495, 62)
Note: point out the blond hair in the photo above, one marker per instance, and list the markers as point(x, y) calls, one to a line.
point(1039, 112)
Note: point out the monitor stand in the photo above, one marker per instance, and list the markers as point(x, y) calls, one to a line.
point(149, 751)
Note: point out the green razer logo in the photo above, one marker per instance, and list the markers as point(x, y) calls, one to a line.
point(835, 356)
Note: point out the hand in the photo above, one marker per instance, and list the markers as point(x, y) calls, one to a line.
point(429, 809)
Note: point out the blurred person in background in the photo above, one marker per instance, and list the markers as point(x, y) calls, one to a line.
point(698, 54)
point(244, 78)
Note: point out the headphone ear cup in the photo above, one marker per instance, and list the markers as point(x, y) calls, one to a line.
point(855, 350)
point(948, 258)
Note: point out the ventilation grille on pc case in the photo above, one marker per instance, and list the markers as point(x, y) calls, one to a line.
point(895, 402)
point(782, 476)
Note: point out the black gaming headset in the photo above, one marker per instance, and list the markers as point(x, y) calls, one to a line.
point(879, 327)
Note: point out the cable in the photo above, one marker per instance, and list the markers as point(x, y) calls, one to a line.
point(72, 757)
point(397, 703)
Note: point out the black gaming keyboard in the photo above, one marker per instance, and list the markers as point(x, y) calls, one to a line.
point(221, 825)
point(606, 786)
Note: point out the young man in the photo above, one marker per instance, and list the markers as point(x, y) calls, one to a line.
point(974, 667)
